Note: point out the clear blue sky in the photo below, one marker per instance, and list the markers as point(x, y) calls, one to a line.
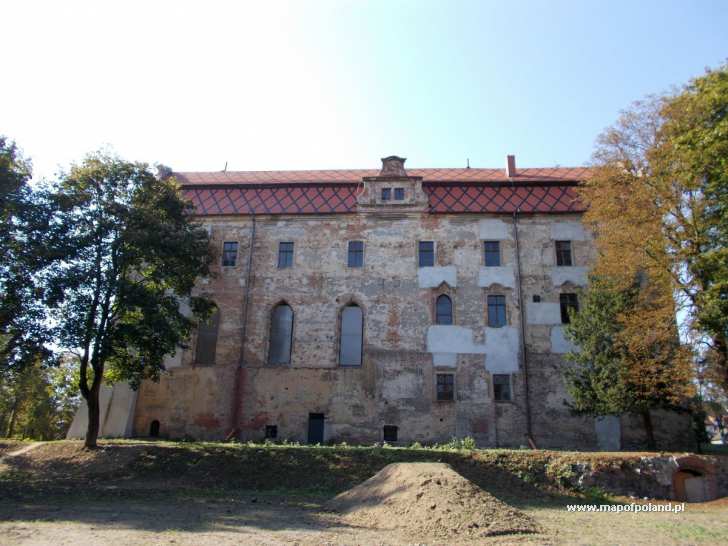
point(286, 85)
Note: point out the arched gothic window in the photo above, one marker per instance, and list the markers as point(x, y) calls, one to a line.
point(352, 327)
point(281, 334)
point(443, 310)
point(207, 340)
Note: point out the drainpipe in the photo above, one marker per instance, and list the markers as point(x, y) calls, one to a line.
point(235, 425)
point(524, 357)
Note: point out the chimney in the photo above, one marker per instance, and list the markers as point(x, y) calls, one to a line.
point(510, 166)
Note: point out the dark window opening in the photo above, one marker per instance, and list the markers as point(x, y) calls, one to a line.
point(207, 340)
point(563, 253)
point(352, 329)
point(443, 310)
point(502, 387)
point(445, 386)
point(568, 302)
point(399, 194)
point(536, 298)
point(390, 433)
point(492, 253)
point(285, 255)
point(427, 253)
point(386, 194)
point(154, 429)
point(229, 253)
point(281, 334)
point(271, 432)
point(496, 311)
point(356, 254)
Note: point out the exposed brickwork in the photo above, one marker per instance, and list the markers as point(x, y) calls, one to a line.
point(396, 384)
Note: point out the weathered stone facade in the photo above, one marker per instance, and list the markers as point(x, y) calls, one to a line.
point(403, 348)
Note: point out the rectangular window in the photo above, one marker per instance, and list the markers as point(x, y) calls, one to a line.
point(427, 253)
point(568, 301)
point(271, 432)
point(356, 254)
point(445, 386)
point(492, 253)
point(496, 311)
point(386, 194)
point(229, 253)
point(285, 255)
point(563, 252)
point(502, 387)
point(390, 433)
point(399, 194)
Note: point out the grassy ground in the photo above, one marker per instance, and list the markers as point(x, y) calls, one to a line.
point(135, 492)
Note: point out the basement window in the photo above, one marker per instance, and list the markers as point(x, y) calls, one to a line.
point(445, 387)
point(229, 253)
point(563, 253)
point(271, 432)
point(502, 387)
point(390, 433)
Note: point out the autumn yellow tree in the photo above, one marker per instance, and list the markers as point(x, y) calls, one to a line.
point(658, 202)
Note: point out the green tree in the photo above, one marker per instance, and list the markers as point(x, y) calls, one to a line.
point(121, 249)
point(22, 218)
point(609, 373)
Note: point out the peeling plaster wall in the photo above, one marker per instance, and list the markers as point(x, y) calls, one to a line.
point(559, 343)
point(403, 349)
point(502, 349)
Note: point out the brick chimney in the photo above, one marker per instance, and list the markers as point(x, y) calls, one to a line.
point(510, 166)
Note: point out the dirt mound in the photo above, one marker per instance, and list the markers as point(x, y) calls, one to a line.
point(429, 499)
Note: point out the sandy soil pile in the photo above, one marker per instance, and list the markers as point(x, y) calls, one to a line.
point(429, 499)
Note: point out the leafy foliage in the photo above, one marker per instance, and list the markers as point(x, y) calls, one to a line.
point(659, 202)
point(119, 251)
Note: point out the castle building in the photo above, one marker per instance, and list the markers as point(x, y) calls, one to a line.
point(387, 305)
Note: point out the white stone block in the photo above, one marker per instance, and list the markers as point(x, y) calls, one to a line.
point(445, 359)
point(502, 347)
point(574, 274)
point(503, 275)
point(452, 339)
point(543, 313)
point(432, 277)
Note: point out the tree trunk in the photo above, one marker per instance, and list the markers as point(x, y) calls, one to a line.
point(92, 432)
point(13, 416)
point(647, 421)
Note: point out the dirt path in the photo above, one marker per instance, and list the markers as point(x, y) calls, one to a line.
point(22, 451)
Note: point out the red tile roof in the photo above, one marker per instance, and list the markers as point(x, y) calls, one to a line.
point(560, 174)
point(550, 190)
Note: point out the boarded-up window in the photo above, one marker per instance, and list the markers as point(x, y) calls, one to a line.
point(443, 310)
point(207, 340)
point(351, 336)
point(281, 333)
